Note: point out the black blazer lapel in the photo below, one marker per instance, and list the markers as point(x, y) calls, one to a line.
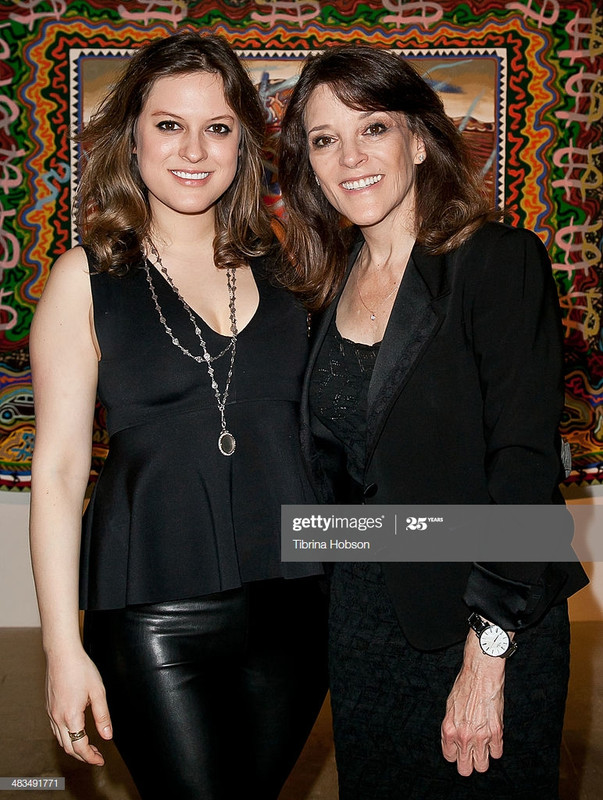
point(416, 316)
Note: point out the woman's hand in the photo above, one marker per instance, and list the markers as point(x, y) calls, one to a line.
point(472, 730)
point(72, 684)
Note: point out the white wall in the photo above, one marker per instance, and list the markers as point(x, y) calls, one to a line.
point(17, 597)
point(588, 604)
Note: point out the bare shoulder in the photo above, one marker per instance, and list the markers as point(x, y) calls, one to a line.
point(69, 278)
point(67, 298)
point(71, 264)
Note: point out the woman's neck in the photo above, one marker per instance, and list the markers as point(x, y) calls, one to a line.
point(183, 232)
point(381, 257)
point(370, 292)
point(387, 246)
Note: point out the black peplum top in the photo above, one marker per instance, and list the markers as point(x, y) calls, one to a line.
point(170, 516)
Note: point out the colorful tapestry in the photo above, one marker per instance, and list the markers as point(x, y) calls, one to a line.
point(521, 78)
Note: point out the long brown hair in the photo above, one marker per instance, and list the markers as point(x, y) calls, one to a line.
point(112, 208)
point(450, 202)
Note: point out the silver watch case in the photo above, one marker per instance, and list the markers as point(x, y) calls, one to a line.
point(493, 640)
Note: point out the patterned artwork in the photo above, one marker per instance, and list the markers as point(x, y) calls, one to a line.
point(521, 79)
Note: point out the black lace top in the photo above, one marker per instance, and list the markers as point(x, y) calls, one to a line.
point(338, 393)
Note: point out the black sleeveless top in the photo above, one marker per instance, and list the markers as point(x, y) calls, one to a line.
point(170, 516)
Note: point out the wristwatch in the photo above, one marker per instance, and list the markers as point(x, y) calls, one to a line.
point(492, 639)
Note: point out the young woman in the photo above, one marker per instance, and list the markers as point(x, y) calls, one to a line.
point(436, 377)
point(204, 654)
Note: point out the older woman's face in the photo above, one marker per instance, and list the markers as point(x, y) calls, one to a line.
point(365, 160)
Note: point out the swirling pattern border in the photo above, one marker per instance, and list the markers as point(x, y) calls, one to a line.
point(550, 111)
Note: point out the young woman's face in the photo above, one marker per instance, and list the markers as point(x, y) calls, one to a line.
point(364, 160)
point(187, 143)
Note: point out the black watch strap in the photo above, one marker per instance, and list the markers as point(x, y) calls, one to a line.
point(478, 623)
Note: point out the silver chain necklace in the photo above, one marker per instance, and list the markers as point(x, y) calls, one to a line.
point(226, 441)
point(373, 313)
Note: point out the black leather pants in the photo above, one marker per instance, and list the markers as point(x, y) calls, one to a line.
point(213, 698)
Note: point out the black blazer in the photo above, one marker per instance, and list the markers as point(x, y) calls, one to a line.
point(463, 407)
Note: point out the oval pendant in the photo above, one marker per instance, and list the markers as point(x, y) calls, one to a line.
point(226, 443)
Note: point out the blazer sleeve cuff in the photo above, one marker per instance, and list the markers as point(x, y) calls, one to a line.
point(510, 603)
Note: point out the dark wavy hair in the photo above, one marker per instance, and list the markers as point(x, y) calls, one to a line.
point(112, 209)
point(450, 200)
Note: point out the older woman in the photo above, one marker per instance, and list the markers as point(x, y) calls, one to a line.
point(436, 377)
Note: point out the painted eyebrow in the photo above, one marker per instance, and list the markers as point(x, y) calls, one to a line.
point(318, 128)
point(179, 116)
point(363, 116)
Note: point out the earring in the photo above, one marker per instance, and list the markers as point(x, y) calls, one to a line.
point(421, 158)
point(316, 179)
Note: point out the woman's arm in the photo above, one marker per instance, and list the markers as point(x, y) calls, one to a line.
point(518, 348)
point(64, 366)
point(515, 330)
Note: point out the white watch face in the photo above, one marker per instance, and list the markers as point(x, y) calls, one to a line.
point(494, 641)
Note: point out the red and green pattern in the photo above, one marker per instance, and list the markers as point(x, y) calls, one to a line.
point(527, 74)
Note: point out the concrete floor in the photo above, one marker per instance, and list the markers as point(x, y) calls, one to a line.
point(27, 747)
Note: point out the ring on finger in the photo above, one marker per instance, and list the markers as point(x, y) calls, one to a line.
point(75, 737)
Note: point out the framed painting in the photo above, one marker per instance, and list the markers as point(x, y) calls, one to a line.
point(520, 78)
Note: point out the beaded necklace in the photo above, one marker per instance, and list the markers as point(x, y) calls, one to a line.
point(226, 441)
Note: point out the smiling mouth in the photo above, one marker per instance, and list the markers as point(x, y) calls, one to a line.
point(190, 176)
point(361, 183)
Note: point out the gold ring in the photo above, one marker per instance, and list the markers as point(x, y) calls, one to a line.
point(75, 737)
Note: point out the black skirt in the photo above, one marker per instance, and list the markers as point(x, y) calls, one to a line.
point(389, 700)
